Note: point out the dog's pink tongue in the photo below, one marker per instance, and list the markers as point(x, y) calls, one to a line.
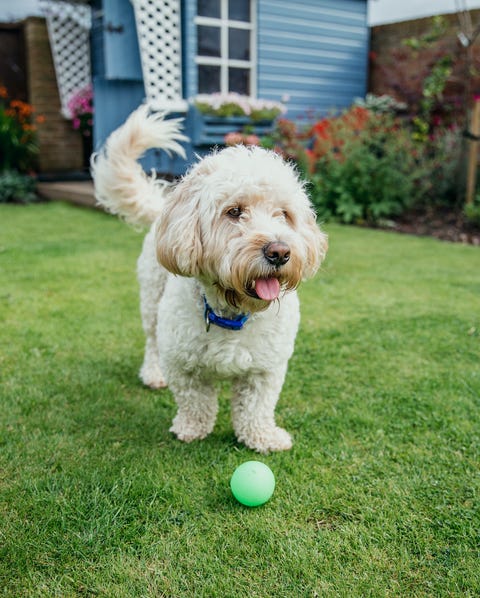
point(267, 289)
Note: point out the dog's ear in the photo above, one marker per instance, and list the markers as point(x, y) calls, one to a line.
point(178, 234)
point(316, 243)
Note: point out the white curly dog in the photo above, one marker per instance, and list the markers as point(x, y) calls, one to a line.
point(227, 248)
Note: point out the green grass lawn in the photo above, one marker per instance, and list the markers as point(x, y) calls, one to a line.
point(378, 497)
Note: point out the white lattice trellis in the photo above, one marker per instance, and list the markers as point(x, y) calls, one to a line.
point(69, 25)
point(159, 38)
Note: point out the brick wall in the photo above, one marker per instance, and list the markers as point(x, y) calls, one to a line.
point(60, 145)
point(409, 67)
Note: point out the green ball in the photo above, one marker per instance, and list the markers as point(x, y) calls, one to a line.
point(252, 483)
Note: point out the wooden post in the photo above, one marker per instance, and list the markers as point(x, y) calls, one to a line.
point(473, 151)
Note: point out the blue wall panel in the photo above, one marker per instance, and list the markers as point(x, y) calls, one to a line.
point(122, 55)
point(117, 80)
point(314, 52)
point(114, 101)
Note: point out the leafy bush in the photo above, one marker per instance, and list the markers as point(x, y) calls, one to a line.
point(440, 157)
point(16, 187)
point(18, 125)
point(287, 139)
point(367, 165)
point(472, 212)
point(369, 173)
point(384, 103)
point(362, 166)
point(428, 73)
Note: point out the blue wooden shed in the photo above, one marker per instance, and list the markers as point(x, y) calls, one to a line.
point(310, 54)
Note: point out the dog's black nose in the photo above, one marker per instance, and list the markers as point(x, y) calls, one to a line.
point(277, 253)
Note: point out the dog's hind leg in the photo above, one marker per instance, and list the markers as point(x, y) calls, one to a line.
point(152, 278)
point(150, 372)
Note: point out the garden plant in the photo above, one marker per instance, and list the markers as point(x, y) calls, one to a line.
point(234, 104)
point(366, 165)
point(18, 148)
point(80, 107)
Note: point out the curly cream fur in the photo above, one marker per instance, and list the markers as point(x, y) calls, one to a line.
point(208, 238)
point(121, 185)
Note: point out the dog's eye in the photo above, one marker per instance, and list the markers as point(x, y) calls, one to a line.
point(289, 218)
point(235, 212)
point(279, 213)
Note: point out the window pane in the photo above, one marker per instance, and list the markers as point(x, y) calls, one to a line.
point(208, 41)
point(209, 8)
point(239, 44)
point(239, 80)
point(208, 78)
point(239, 10)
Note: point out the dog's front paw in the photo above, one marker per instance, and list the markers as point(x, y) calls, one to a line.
point(265, 440)
point(189, 430)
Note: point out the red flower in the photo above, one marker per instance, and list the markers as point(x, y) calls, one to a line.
point(322, 129)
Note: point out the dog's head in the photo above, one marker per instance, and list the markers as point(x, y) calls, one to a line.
point(241, 220)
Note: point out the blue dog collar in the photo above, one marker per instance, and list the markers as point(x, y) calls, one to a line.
point(212, 318)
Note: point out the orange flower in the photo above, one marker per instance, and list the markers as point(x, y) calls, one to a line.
point(40, 119)
point(23, 109)
point(3, 92)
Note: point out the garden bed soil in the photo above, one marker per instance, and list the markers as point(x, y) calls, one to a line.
point(446, 225)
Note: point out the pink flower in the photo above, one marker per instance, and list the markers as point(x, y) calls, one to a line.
point(251, 140)
point(233, 139)
point(80, 107)
point(81, 102)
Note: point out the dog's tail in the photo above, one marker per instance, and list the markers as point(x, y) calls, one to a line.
point(121, 185)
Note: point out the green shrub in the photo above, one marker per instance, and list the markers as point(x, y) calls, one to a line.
point(384, 104)
point(366, 165)
point(367, 172)
point(16, 187)
point(18, 134)
point(440, 157)
point(472, 212)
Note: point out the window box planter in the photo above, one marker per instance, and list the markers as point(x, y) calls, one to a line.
point(211, 130)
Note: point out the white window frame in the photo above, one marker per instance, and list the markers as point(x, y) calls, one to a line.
point(223, 61)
